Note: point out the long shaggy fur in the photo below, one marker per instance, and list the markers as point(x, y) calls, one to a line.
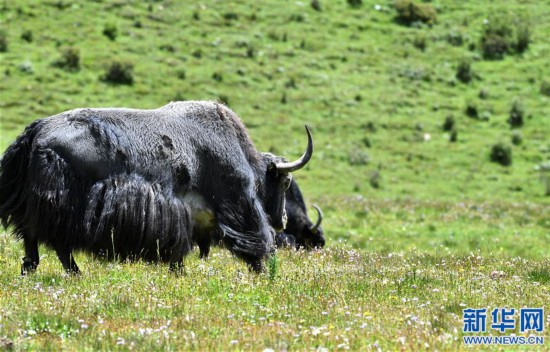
point(121, 217)
point(129, 217)
point(114, 182)
point(236, 238)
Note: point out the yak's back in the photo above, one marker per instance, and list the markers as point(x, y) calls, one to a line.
point(99, 142)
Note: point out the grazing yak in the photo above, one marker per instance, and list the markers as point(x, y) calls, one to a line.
point(299, 232)
point(127, 184)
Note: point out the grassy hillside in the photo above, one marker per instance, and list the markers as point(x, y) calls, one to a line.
point(391, 180)
point(353, 74)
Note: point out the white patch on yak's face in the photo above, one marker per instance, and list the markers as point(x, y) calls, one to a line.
point(203, 216)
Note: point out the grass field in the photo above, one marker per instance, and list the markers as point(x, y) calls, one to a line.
point(418, 227)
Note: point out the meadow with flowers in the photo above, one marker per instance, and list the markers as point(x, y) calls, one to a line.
point(431, 165)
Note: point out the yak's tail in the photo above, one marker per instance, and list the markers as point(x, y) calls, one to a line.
point(14, 178)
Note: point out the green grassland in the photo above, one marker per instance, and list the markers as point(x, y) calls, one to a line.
point(418, 227)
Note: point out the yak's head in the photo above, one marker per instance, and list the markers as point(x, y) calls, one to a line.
point(276, 181)
point(300, 230)
point(311, 235)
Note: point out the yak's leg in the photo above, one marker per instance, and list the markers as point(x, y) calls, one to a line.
point(31, 259)
point(176, 264)
point(256, 265)
point(66, 257)
point(177, 267)
point(176, 259)
point(204, 247)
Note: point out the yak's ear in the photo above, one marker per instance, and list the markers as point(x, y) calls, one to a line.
point(271, 161)
point(271, 167)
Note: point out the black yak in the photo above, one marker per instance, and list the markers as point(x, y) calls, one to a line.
point(126, 183)
point(299, 231)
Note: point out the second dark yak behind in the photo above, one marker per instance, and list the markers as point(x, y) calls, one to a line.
point(299, 232)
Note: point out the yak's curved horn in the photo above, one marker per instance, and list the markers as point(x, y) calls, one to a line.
point(315, 227)
point(300, 163)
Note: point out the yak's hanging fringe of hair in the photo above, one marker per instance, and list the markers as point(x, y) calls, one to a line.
point(243, 243)
point(127, 216)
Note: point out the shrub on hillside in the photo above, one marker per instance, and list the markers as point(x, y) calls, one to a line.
point(3, 41)
point(297, 18)
point(464, 71)
point(217, 77)
point(471, 110)
point(375, 179)
point(517, 138)
point(26, 67)
point(523, 37)
point(516, 114)
point(420, 42)
point(231, 16)
point(483, 93)
point(485, 115)
point(316, 5)
point(501, 154)
point(197, 53)
point(454, 136)
point(493, 46)
point(181, 74)
point(358, 156)
point(119, 72)
point(69, 60)
point(27, 36)
point(455, 38)
point(355, 3)
point(370, 126)
point(168, 48)
point(367, 142)
point(544, 169)
point(284, 98)
point(503, 35)
point(250, 51)
point(110, 31)
point(449, 123)
point(416, 74)
point(291, 83)
point(545, 88)
point(409, 12)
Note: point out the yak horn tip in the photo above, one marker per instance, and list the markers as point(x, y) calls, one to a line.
point(304, 159)
point(319, 218)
